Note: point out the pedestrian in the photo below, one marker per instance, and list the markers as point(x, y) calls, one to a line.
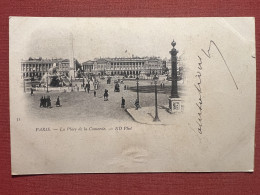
point(123, 103)
point(58, 102)
point(106, 95)
point(88, 89)
point(49, 102)
point(95, 93)
point(31, 91)
point(85, 88)
point(41, 102)
point(124, 87)
point(44, 102)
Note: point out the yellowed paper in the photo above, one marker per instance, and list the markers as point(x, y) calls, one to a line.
point(105, 95)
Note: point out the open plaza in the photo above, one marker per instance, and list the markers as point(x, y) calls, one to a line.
point(83, 105)
point(126, 89)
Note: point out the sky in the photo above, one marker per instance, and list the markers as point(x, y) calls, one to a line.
point(105, 37)
point(92, 37)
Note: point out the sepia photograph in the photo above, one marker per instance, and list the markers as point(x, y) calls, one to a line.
point(67, 73)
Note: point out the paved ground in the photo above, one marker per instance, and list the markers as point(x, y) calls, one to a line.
point(146, 115)
point(84, 106)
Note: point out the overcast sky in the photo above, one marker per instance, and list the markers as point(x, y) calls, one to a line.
point(103, 37)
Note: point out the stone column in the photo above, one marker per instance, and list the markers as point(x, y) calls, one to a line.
point(174, 100)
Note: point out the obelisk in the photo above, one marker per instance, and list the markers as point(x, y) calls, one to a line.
point(72, 63)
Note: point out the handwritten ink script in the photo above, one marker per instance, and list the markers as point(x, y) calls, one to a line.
point(198, 88)
point(198, 83)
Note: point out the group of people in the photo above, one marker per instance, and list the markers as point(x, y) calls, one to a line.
point(45, 102)
point(137, 105)
point(87, 87)
point(162, 85)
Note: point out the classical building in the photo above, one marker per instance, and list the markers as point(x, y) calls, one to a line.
point(37, 67)
point(124, 66)
point(88, 66)
point(64, 67)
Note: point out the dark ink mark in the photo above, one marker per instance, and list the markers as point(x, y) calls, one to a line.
point(198, 83)
point(194, 132)
point(208, 55)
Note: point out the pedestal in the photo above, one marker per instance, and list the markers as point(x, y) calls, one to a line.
point(174, 105)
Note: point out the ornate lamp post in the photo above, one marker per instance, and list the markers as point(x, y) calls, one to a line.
point(155, 78)
point(174, 100)
point(173, 52)
point(137, 93)
point(83, 80)
point(24, 84)
point(34, 69)
point(47, 81)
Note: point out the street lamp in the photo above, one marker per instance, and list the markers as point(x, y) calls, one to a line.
point(174, 89)
point(34, 69)
point(156, 78)
point(137, 91)
point(24, 84)
point(47, 81)
point(83, 80)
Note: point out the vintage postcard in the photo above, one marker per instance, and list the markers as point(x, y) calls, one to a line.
point(108, 95)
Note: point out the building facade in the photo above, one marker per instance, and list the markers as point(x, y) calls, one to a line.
point(124, 66)
point(88, 66)
point(37, 67)
point(64, 67)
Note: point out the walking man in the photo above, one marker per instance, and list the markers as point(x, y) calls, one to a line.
point(41, 102)
point(44, 102)
point(58, 102)
point(123, 103)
